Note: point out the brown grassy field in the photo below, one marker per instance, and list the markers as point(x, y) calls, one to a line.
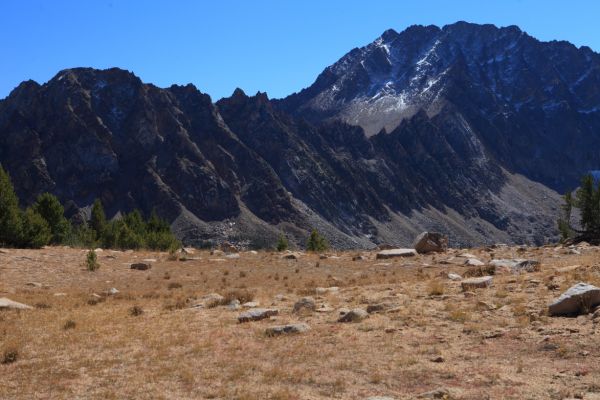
point(148, 342)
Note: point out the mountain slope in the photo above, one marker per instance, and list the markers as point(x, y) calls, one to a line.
point(467, 129)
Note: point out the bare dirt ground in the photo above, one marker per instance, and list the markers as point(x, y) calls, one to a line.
point(497, 343)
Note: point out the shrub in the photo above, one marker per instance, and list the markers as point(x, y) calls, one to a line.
point(35, 231)
point(136, 311)
point(316, 242)
point(282, 243)
point(10, 218)
point(52, 211)
point(69, 324)
point(10, 355)
point(91, 261)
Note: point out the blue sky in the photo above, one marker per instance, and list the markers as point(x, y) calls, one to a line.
point(277, 46)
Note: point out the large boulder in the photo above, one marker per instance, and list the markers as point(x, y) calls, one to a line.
point(391, 253)
point(578, 299)
point(428, 242)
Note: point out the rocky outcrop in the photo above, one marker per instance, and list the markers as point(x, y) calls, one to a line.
point(578, 299)
point(429, 242)
point(430, 129)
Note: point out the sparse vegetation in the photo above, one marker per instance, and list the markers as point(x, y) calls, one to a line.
point(316, 242)
point(91, 261)
point(282, 243)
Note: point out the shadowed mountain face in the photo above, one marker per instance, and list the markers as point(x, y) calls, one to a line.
point(468, 129)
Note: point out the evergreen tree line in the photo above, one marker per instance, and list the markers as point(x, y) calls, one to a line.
point(587, 200)
point(44, 223)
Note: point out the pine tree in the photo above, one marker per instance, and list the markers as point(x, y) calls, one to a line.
point(98, 219)
point(35, 231)
point(52, 211)
point(282, 243)
point(316, 242)
point(10, 218)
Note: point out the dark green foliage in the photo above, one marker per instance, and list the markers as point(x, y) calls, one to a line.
point(282, 243)
point(98, 218)
point(316, 242)
point(52, 211)
point(35, 231)
point(10, 215)
point(127, 238)
point(587, 200)
point(91, 261)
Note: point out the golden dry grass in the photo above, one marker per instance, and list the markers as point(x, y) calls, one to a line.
point(148, 342)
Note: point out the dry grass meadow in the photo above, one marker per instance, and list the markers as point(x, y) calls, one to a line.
point(149, 342)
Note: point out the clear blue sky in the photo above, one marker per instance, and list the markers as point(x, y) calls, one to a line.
point(277, 46)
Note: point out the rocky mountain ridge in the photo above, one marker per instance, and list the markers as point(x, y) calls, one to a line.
point(468, 129)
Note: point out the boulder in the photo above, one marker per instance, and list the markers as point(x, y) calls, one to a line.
point(578, 299)
point(476, 283)
point(233, 255)
point(356, 315)
point(234, 305)
point(251, 304)
point(391, 253)
point(256, 314)
point(9, 304)
point(428, 242)
point(473, 262)
point(305, 304)
point(286, 329)
point(516, 265)
point(140, 266)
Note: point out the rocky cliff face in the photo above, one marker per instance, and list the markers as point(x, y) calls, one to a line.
point(467, 129)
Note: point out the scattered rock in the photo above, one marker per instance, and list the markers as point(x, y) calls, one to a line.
point(516, 265)
point(233, 256)
point(251, 304)
point(438, 359)
point(428, 242)
point(256, 314)
point(234, 305)
point(140, 266)
point(473, 262)
point(355, 315)
point(454, 277)
point(324, 308)
point(280, 297)
point(441, 393)
point(358, 258)
point(212, 299)
point(578, 299)
point(286, 329)
point(9, 304)
point(305, 304)
point(291, 256)
point(322, 290)
point(467, 255)
point(148, 260)
point(112, 291)
point(391, 253)
point(476, 283)
point(375, 308)
point(34, 284)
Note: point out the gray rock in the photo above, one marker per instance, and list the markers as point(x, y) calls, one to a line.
point(323, 290)
point(286, 329)
point(234, 305)
point(380, 398)
point(9, 304)
point(233, 256)
point(428, 242)
point(256, 314)
point(454, 277)
point(391, 253)
point(355, 315)
point(578, 299)
point(516, 265)
point(112, 291)
point(476, 283)
point(473, 262)
point(375, 308)
point(251, 304)
point(305, 304)
point(441, 393)
point(140, 266)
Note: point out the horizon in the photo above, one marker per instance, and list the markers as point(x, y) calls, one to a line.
point(270, 67)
